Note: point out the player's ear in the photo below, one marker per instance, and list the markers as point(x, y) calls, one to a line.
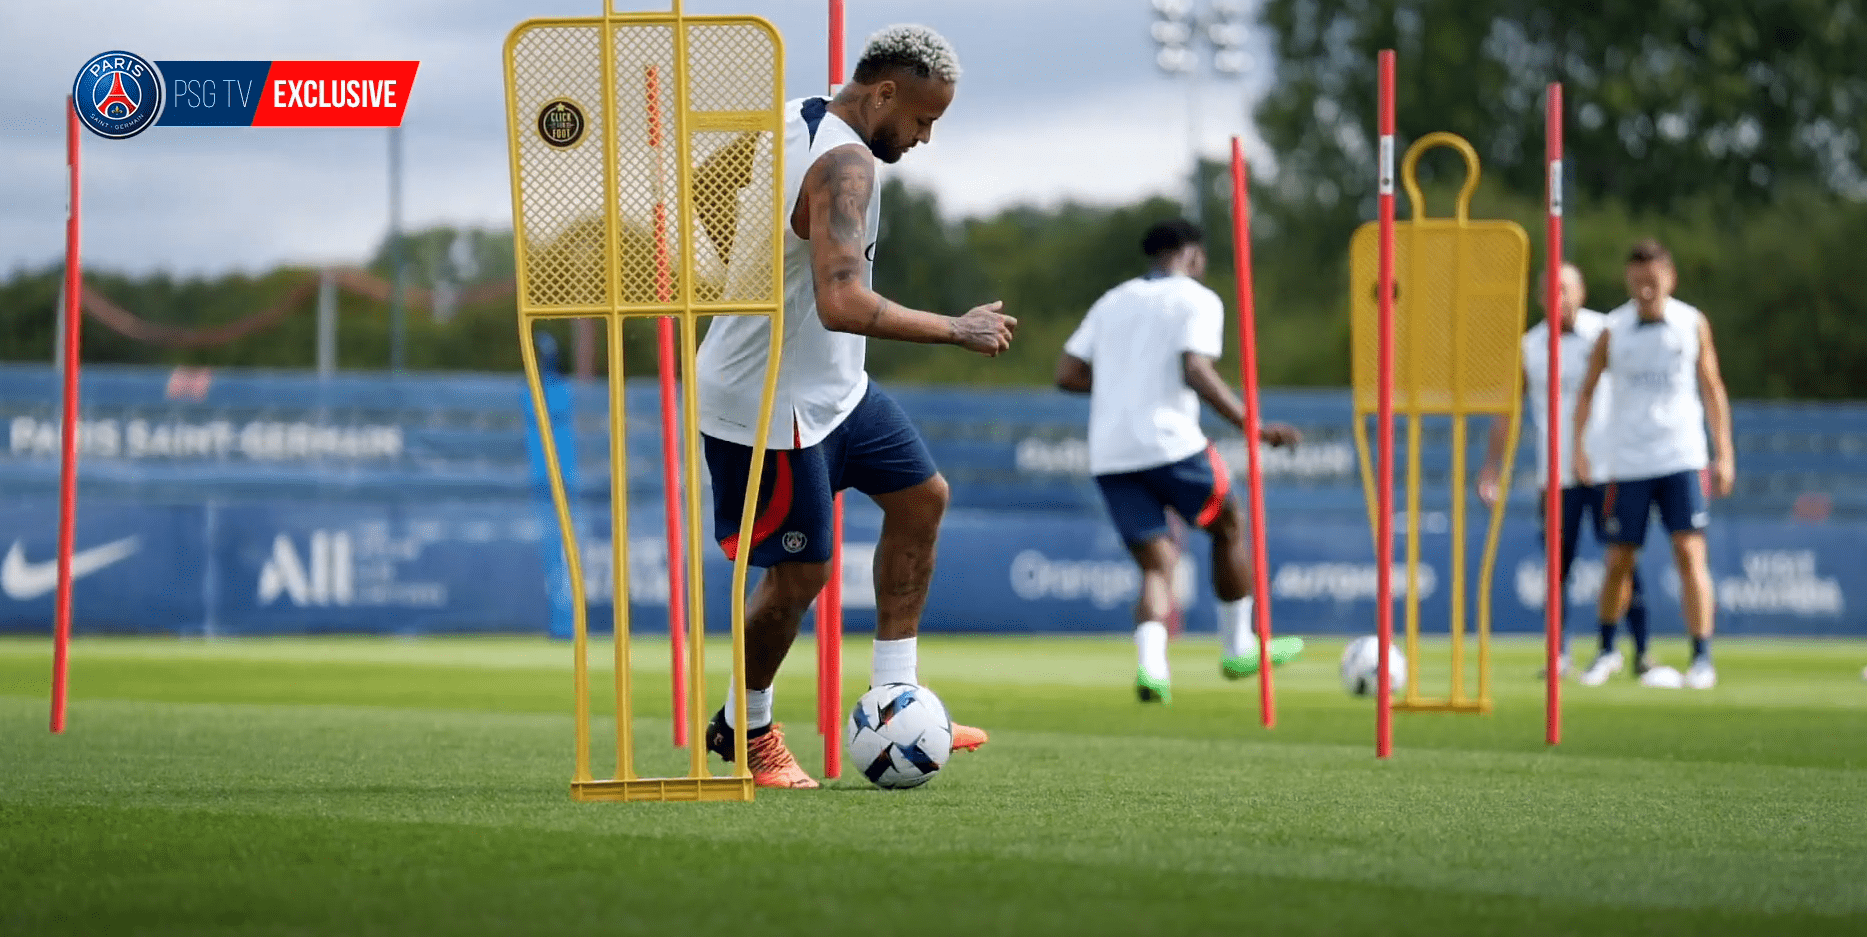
point(885, 92)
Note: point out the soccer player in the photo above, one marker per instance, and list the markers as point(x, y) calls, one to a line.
point(1580, 328)
point(1659, 355)
point(1144, 353)
point(833, 428)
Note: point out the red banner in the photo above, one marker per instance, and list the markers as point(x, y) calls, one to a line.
point(335, 94)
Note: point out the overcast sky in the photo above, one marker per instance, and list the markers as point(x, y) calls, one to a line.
point(1060, 100)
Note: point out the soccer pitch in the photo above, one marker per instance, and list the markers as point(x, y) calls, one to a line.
point(376, 786)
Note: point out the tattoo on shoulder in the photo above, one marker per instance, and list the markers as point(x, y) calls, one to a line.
point(849, 176)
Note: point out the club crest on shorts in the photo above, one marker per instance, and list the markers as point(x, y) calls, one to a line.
point(794, 541)
point(117, 94)
point(560, 123)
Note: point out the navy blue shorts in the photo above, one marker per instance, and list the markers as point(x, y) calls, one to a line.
point(1578, 502)
point(1679, 496)
point(875, 450)
point(1196, 488)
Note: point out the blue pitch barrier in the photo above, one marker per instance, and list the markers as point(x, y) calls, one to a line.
point(466, 567)
point(269, 503)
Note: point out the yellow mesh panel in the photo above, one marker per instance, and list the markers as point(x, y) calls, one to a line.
point(559, 216)
point(732, 128)
point(1460, 290)
point(735, 186)
point(647, 186)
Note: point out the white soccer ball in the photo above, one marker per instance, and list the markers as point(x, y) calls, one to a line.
point(1361, 668)
point(898, 735)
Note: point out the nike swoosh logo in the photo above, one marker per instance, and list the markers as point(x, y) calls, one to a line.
point(24, 581)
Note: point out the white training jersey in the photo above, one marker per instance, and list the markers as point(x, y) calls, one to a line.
point(1575, 346)
point(821, 378)
point(1141, 413)
point(1657, 424)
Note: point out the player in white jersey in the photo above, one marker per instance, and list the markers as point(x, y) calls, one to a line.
point(1580, 328)
point(1658, 352)
point(1144, 353)
point(832, 429)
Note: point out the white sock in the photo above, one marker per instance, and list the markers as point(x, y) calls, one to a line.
point(1237, 637)
point(1150, 638)
point(895, 662)
point(758, 708)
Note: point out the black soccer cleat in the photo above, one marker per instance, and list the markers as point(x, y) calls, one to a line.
point(720, 736)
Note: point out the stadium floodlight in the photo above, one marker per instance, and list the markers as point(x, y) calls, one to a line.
point(1178, 29)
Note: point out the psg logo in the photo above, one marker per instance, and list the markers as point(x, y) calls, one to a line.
point(560, 123)
point(117, 95)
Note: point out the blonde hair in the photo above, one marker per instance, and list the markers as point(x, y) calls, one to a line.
point(916, 48)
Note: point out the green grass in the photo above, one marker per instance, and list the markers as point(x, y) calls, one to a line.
point(364, 786)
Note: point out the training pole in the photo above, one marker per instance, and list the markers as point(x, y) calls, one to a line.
point(830, 601)
point(670, 437)
point(1384, 471)
point(1248, 383)
point(68, 423)
point(1552, 491)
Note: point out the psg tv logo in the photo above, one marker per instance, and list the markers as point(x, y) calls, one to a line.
point(117, 94)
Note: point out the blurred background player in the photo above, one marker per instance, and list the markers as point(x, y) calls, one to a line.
point(1658, 353)
point(1144, 353)
point(1580, 329)
point(832, 428)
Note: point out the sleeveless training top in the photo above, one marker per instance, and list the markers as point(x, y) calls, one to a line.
point(821, 378)
point(1657, 425)
point(1576, 345)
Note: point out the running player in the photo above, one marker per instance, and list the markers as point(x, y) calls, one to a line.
point(1144, 353)
point(1580, 328)
point(832, 428)
point(1658, 352)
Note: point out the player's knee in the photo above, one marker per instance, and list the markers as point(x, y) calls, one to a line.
point(1155, 557)
point(922, 506)
point(1689, 550)
point(796, 585)
point(1230, 522)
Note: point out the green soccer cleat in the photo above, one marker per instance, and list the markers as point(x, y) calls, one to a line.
point(1283, 651)
point(1151, 690)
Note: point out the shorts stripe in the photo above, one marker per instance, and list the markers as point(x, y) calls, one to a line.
point(1221, 486)
point(770, 519)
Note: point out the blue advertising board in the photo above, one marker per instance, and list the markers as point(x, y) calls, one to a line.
point(408, 568)
point(269, 503)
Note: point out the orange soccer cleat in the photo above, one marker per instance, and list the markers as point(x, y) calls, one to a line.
point(967, 738)
point(770, 759)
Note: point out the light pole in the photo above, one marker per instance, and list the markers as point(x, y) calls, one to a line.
point(398, 313)
point(1180, 28)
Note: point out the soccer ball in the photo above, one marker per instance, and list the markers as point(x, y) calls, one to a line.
point(899, 735)
point(1360, 669)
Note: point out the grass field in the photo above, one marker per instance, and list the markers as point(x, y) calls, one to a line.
point(360, 786)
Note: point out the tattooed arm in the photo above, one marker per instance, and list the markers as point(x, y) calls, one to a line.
point(836, 197)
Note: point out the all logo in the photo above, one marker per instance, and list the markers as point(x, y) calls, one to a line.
point(117, 94)
point(560, 123)
point(794, 541)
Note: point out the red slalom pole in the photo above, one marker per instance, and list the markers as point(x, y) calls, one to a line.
point(1552, 494)
point(670, 440)
point(671, 498)
point(830, 601)
point(836, 45)
point(1384, 473)
point(830, 615)
point(68, 423)
point(1248, 382)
